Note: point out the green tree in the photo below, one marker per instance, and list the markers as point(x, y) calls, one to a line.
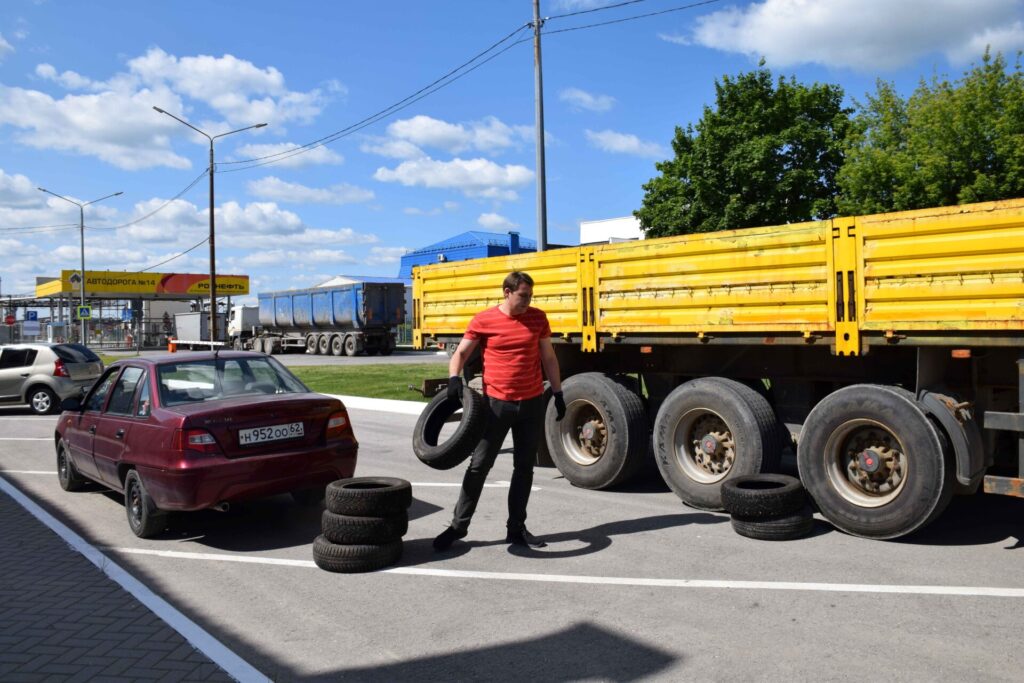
point(949, 143)
point(767, 153)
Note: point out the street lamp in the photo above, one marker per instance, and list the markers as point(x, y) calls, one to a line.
point(81, 234)
point(213, 267)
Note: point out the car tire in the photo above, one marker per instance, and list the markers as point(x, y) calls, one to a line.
point(308, 498)
point(144, 518)
point(744, 435)
point(369, 496)
point(349, 559)
point(67, 473)
point(763, 495)
point(351, 530)
point(779, 528)
point(43, 400)
point(454, 450)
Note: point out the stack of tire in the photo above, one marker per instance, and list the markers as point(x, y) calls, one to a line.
point(363, 525)
point(769, 507)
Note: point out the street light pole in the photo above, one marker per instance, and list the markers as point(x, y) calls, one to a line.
point(81, 235)
point(213, 251)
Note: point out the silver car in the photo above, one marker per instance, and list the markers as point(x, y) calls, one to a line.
point(42, 375)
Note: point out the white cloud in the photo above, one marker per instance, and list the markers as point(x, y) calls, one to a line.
point(581, 99)
point(494, 221)
point(576, 5)
point(436, 211)
point(69, 79)
point(308, 157)
point(5, 47)
point(18, 191)
point(488, 135)
point(385, 255)
point(473, 177)
point(396, 149)
point(276, 189)
point(862, 34)
point(624, 143)
point(288, 257)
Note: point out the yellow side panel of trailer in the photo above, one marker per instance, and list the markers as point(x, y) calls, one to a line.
point(762, 280)
point(954, 268)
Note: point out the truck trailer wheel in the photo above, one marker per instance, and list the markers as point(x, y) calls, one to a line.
point(709, 430)
point(874, 463)
point(323, 344)
point(351, 347)
point(602, 439)
point(337, 345)
point(311, 344)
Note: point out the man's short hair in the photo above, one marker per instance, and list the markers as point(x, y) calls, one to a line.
point(514, 279)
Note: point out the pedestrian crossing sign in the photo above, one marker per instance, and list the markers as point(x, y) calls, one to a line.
point(84, 312)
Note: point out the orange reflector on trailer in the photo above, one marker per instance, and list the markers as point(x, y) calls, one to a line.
point(961, 353)
point(646, 349)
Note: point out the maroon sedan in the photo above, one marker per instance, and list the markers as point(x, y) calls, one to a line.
point(199, 430)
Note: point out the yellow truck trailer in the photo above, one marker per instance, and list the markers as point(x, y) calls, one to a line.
point(886, 350)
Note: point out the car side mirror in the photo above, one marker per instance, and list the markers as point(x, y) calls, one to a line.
point(71, 404)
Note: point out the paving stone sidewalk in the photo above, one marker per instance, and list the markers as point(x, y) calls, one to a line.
point(62, 619)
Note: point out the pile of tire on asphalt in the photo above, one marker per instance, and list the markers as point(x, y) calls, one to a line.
point(770, 507)
point(363, 525)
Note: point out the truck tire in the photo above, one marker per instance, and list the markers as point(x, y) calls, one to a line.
point(311, 344)
point(874, 463)
point(602, 439)
point(460, 445)
point(351, 347)
point(763, 495)
point(323, 344)
point(369, 496)
point(347, 559)
point(354, 530)
point(784, 527)
point(709, 430)
point(337, 345)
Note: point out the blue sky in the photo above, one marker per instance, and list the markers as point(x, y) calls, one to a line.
point(78, 82)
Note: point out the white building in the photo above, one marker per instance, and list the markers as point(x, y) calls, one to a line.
point(610, 230)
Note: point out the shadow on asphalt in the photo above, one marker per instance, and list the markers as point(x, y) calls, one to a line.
point(582, 651)
point(980, 519)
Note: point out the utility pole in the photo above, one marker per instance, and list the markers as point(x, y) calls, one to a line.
point(538, 82)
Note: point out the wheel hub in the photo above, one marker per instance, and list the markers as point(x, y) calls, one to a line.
point(869, 461)
point(709, 444)
point(592, 437)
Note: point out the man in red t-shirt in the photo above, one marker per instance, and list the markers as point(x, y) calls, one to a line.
point(516, 343)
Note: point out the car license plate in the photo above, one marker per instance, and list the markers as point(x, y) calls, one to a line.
point(257, 435)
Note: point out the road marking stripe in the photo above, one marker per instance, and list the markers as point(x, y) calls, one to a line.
point(199, 638)
point(963, 591)
point(26, 438)
point(495, 485)
point(28, 471)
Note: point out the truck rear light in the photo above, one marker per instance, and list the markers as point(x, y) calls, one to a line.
point(337, 424)
point(195, 440)
point(59, 370)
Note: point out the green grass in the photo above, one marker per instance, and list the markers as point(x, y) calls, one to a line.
point(387, 380)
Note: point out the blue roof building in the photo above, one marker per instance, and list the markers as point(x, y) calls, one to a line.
point(468, 245)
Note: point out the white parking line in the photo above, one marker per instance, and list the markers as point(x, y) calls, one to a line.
point(199, 638)
point(960, 591)
point(28, 471)
point(26, 438)
point(494, 485)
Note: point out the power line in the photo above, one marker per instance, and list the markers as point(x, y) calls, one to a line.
point(28, 229)
point(638, 16)
point(158, 209)
point(194, 246)
point(594, 9)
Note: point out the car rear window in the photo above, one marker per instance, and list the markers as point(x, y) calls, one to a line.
point(75, 353)
point(210, 380)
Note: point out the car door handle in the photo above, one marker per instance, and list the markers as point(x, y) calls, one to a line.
point(24, 374)
point(119, 434)
point(92, 430)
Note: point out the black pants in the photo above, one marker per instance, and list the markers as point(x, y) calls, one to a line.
point(526, 420)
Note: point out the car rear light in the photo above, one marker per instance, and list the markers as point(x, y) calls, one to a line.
point(337, 424)
point(195, 440)
point(59, 370)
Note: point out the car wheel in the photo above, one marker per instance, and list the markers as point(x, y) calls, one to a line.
point(778, 528)
point(456, 448)
point(709, 430)
point(144, 518)
point(308, 498)
point(763, 495)
point(369, 496)
point(347, 559)
point(43, 401)
point(67, 473)
point(352, 530)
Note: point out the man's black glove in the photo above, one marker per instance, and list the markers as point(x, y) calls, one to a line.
point(455, 388)
point(559, 405)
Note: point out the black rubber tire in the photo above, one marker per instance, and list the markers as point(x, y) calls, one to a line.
point(323, 344)
point(779, 528)
point(351, 347)
point(350, 559)
point(42, 400)
point(543, 458)
point(308, 498)
point(144, 518)
point(750, 422)
point(337, 345)
point(351, 530)
point(926, 487)
point(758, 496)
point(369, 496)
point(386, 350)
point(67, 474)
point(458, 447)
point(595, 397)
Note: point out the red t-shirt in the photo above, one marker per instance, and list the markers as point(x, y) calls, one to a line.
point(511, 351)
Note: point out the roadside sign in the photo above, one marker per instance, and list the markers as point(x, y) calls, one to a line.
point(8, 319)
point(126, 314)
point(84, 312)
point(30, 328)
point(31, 315)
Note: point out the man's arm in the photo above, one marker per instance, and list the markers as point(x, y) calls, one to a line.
point(462, 353)
point(549, 361)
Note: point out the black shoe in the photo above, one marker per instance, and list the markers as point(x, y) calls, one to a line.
point(447, 537)
point(524, 538)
